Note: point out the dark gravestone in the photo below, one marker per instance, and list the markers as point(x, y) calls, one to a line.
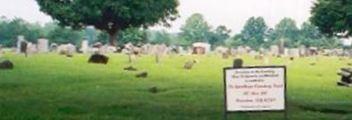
point(142, 75)
point(130, 68)
point(237, 63)
point(6, 65)
point(346, 77)
point(98, 59)
point(292, 58)
point(153, 90)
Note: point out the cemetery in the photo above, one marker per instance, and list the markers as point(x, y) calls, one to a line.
point(101, 63)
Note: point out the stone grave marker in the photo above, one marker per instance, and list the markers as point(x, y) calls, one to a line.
point(43, 45)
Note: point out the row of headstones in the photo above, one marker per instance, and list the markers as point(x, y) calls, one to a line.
point(28, 47)
point(273, 50)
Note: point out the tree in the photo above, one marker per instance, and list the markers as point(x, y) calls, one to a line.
point(135, 36)
point(196, 29)
point(310, 35)
point(10, 29)
point(160, 37)
point(219, 35)
point(110, 16)
point(254, 31)
point(287, 30)
point(64, 35)
point(333, 17)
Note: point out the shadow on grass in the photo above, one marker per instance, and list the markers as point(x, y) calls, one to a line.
point(325, 110)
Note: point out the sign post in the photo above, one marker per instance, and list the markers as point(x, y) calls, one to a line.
point(255, 89)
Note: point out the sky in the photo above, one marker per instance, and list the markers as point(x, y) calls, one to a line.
point(231, 13)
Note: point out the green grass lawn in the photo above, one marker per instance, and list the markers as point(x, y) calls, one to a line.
point(53, 87)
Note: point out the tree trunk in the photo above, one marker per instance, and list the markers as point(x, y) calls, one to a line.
point(113, 39)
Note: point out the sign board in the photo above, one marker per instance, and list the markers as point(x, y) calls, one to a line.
point(255, 89)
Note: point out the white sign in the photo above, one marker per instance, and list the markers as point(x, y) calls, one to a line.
point(255, 89)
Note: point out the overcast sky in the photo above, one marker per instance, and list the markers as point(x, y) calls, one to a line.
point(231, 13)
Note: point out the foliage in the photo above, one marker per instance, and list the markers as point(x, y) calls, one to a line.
point(65, 35)
point(196, 29)
point(333, 17)
point(288, 31)
point(253, 33)
point(160, 37)
point(110, 16)
point(219, 35)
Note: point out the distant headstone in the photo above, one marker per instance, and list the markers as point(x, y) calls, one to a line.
point(189, 65)
point(153, 90)
point(98, 59)
point(20, 40)
point(130, 68)
point(53, 47)
point(346, 77)
point(142, 75)
point(43, 45)
point(237, 63)
point(6, 65)
point(84, 46)
point(67, 49)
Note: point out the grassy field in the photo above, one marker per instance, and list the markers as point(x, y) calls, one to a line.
point(53, 87)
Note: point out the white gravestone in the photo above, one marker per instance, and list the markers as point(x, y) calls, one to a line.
point(43, 45)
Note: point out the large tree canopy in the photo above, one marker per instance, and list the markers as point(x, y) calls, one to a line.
point(333, 17)
point(110, 16)
point(253, 33)
point(196, 29)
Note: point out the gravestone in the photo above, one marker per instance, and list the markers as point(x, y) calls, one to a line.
point(53, 47)
point(84, 46)
point(302, 51)
point(189, 65)
point(237, 63)
point(6, 65)
point(1, 51)
point(67, 49)
point(31, 48)
point(346, 77)
point(43, 46)
point(20, 44)
point(142, 75)
point(130, 68)
point(98, 59)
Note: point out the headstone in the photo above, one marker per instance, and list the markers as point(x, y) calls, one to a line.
point(130, 68)
point(189, 65)
point(20, 40)
point(53, 47)
point(6, 65)
point(71, 49)
point(154, 90)
point(1, 51)
point(31, 48)
point(302, 51)
point(237, 63)
point(142, 75)
point(282, 47)
point(346, 77)
point(43, 46)
point(67, 49)
point(84, 47)
point(98, 59)
point(294, 52)
point(274, 50)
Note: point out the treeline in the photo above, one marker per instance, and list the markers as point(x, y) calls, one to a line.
point(256, 33)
